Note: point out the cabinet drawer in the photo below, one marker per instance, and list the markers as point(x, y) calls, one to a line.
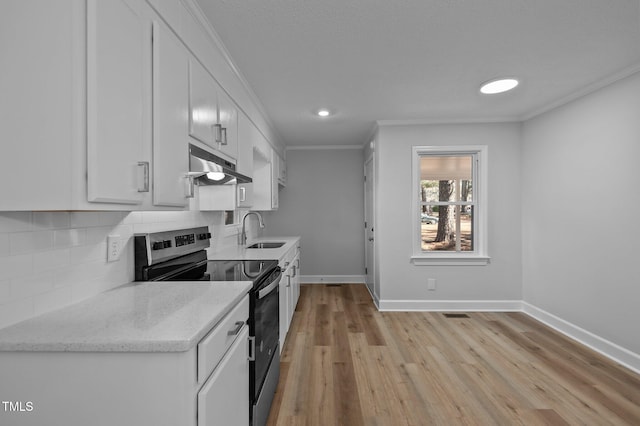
point(288, 257)
point(213, 347)
point(224, 398)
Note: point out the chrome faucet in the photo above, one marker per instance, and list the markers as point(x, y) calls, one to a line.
point(243, 235)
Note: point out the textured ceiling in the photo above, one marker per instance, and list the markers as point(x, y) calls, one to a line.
point(369, 60)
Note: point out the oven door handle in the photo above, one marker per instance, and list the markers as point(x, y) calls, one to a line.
point(263, 292)
point(252, 348)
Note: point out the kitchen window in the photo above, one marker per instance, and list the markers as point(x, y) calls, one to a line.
point(449, 205)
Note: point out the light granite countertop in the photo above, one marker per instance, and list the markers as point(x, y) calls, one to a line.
point(244, 253)
point(135, 317)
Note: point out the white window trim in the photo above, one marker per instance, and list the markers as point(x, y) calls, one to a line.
point(480, 255)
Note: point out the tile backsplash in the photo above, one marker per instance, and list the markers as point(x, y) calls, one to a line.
point(49, 260)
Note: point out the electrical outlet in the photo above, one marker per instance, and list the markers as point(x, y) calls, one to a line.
point(113, 248)
point(431, 284)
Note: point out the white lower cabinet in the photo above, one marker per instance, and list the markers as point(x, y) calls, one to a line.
point(289, 290)
point(206, 385)
point(295, 282)
point(224, 398)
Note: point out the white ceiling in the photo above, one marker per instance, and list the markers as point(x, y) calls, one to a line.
point(369, 60)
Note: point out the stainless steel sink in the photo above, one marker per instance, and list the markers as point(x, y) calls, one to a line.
point(266, 244)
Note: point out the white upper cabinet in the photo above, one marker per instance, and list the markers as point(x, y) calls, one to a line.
point(170, 118)
point(118, 96)
point(247, 135)
point(228, 121)
point(265, 178)
point(282, 175)
point(203, 109)
point(213, 117)
point(41, 93)
point(100, 100)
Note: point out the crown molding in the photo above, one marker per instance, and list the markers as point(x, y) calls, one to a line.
point(593, 87)
point(321, 147)
point(448, 120)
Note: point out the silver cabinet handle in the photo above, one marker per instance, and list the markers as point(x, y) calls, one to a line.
point(190, 190)
point(145, 176)
point(239, 325)
point(288, 280)
point(286, 265)
point(217, 130)
point(295, 272)
point(243, 194)
point(223, 140)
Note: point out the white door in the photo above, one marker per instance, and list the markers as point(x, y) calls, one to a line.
point(170, 118)
point(224, 398)
point(118, 101)
point(369, 220)
point(203, 108)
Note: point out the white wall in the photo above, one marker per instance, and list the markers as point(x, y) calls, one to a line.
point(49, 260)
point(581, 231)
point(401, 281)
point(323, 203)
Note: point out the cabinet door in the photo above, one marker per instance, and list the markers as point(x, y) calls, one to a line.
point(228, 119)
point(282, 176)
point(296, 283)
point(290, 304)
point(248, 136)
point(275, 200)
point(224, 398)
point(203, 108)
point(284, 308)
point(170, 118)
point(118, 101)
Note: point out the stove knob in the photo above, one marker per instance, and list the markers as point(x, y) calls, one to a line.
point(158, 245)
point(166, 243)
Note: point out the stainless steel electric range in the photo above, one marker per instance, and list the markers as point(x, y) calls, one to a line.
point(180, 255)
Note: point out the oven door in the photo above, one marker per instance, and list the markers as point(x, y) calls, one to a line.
point(266, 327)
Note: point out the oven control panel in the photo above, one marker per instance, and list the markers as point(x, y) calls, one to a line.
point(168, 244)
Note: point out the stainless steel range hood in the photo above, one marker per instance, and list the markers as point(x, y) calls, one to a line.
point(209, 169)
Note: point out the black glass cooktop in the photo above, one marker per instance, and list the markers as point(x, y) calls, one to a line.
point(239, 270)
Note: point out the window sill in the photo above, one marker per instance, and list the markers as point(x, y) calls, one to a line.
point(452, 260)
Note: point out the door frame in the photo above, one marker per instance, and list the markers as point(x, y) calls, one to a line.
point(370, 221)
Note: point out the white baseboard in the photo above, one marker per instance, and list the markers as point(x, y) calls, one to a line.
point(609, 349)
point(376, 300)
point(332, 279)
point(451, 305)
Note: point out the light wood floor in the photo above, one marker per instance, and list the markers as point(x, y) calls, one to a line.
point(345, 363)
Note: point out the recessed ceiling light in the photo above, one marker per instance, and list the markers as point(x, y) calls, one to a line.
point(323, 112)
point(498, 86)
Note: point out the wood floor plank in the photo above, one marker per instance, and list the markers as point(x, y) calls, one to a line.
point(321, 409)
point(345, 363)
point(346, 396)
point(322, 332)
